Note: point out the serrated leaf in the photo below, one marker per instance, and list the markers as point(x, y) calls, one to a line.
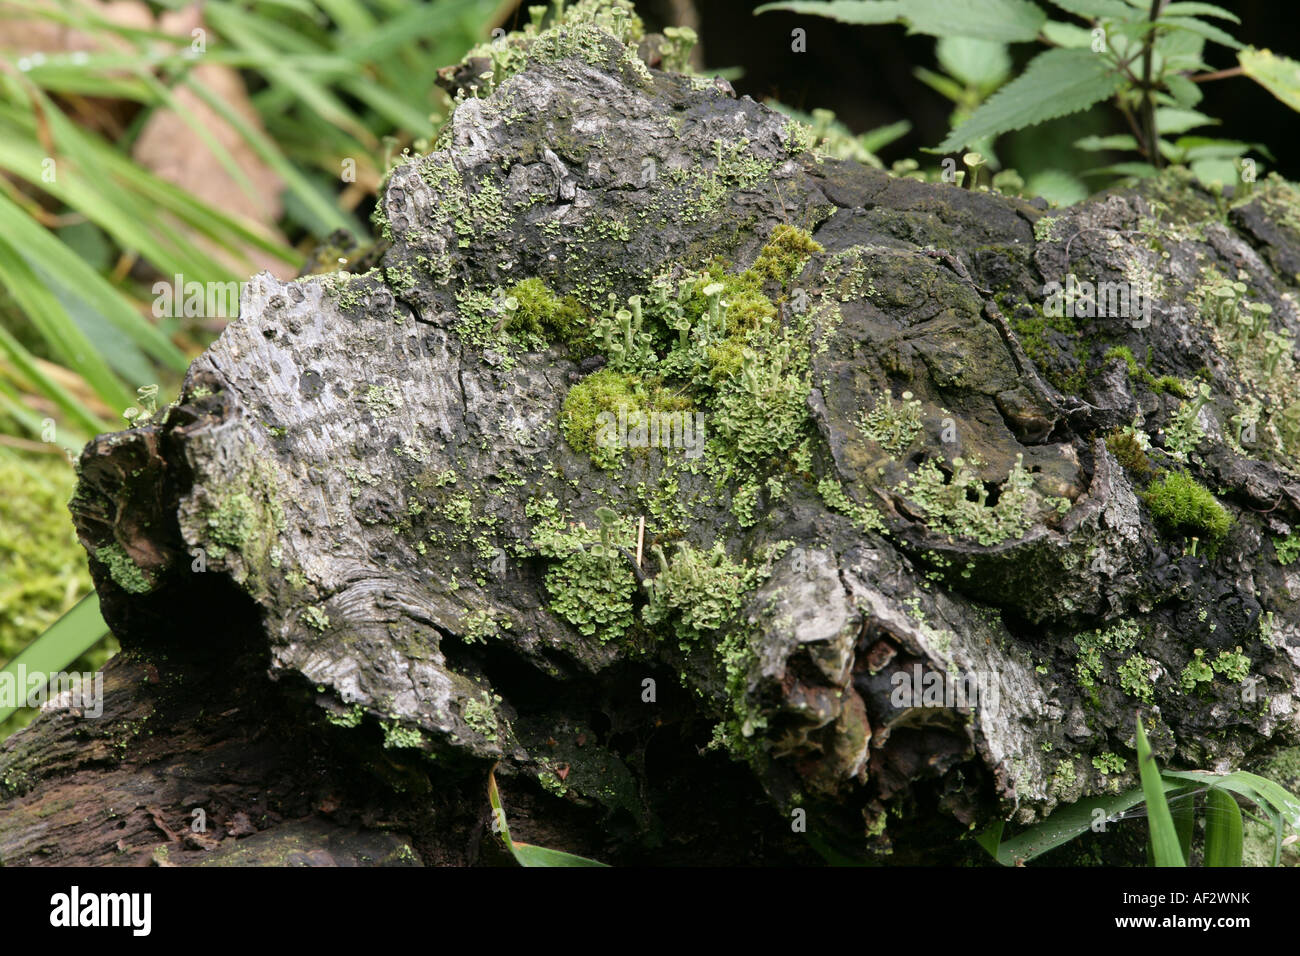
point(1095, 144)
point(1280, 75)
point(1187, 93)
point(1201, 28)
point(1170, 122)
point(1056, 186)
point(1068, 35)
point(864, 12)
point(1180, 50)
point(1139, 170)
point(874, 140)
point(1091, 9)
point(984, 64)
point(1223, 830)
point(1198, 10)
point(1008, 21)
point(945, 86)
point(1164, 835)
point(1055, 83)
point(1203, 147)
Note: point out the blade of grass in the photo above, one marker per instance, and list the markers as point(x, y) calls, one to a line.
point(76, 632)
point(57, 327)
point(323, 209)
point(93, 289)
point(526, 854)
point(1164, 837)
point(1223, 829)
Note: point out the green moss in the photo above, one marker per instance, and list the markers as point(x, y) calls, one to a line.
point(42, 566)
point(783, 258)
point(1109, 763)
point(480, 714)
point(1184, 506)
point(618, 394)
point(590, 582)
point(1233, 665)
point(1125, 355)
point(864, 516)
point(539, 314)
point(315, 618)
point(231, 523)
point(397, 737)
point(349, 718)
point(1128, 451)
point(893, 427)
point(1135, 678)
point(1094, 645)
point(481, 625)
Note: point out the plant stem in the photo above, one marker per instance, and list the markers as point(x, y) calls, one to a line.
point(1148, 93)
point(1219, 75)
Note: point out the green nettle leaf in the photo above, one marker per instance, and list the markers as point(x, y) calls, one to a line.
point(1223, 831)
point(1069, 35)
point(1006, 21)
point(1097, 8)
point(984, 64)
point(1198, 10)
point(845, 11)
point(1055, 83)
point(1165, 846)
point(1096, 144)
point(1201, 28)
point(1183, 90)
point(1279, 75)
point(1172, 121)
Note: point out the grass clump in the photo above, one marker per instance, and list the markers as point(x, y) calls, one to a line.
point(1185, 506)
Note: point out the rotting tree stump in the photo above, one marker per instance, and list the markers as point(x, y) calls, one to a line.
point(360, 561)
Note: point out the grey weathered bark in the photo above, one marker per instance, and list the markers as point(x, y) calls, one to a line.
point(364, 465)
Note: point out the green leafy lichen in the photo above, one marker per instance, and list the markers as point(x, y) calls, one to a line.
point(126, 573)
point(698, 590)
point(961, 504)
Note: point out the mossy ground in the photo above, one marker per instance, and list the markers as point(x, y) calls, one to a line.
point(43, 568)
